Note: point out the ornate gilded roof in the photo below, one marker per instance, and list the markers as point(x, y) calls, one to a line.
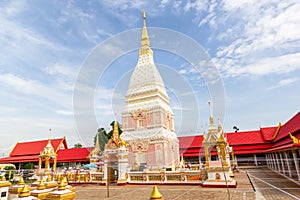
point(48, 150)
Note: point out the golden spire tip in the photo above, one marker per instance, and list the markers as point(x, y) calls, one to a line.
point(144, 14)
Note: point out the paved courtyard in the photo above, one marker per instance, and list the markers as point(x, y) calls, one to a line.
point(272, 185)
point(268, 185)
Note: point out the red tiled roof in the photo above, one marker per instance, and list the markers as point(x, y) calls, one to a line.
point(63, 155)
point(286, 146)
point(246, 137)
point(250, 147)
point(291, 126)
point(17, 159)
point(74, 154)
point(35, 147)
point(194, 141)
point(268, 132)
point(252, 151)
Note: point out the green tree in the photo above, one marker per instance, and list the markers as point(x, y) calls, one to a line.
point(9, 172)
point(78, 145)
point(28, 166)
point(112, 129)
point(102, 137)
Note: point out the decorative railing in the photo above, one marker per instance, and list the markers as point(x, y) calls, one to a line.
point(192, 176)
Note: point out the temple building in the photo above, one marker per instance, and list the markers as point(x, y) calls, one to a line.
point(277, 147)
point(36, 152)
point(147, 119)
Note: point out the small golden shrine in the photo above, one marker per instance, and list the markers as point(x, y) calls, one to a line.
point(115, 158)
point(96, 154)
point(46, 155)
point(218, 171)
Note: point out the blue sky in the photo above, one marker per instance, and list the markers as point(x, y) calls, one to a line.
point(255, 46)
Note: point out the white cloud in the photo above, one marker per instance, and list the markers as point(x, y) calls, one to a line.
point(163, 3)
point(36, 89)
point(65, 112)
point(263, 37)
point(65, 70)
point(33, 128)
point(180, 108)
point(14, 7)
point(284, 82)
point(274, 65)
point(198, 5)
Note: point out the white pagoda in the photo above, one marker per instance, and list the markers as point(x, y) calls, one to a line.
point(147, 119)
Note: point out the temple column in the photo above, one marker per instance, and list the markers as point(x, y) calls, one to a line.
point(282, 163)
point(296, 163)
point(267, 159)
point(255, 159)
point(278, 161)
point(288, 163)
point(274, 161)
point(270, 160)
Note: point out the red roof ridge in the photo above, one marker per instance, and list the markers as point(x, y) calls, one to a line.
point(292, 125)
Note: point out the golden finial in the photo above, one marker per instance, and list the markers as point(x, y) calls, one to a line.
point(24, 192)
point(144, 14)
point(211, 120)
point(116, 128)
point(295, 140)
point(3, 178)
point(41, 186)
point(156, 194)
point(21, 181)
point(62, 184)
point(49, 178)
point(145, 39)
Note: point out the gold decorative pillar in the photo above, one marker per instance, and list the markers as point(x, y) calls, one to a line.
point(55, 163)
point(40, 163)
point(232, 158)
point(223, 154)
point(206, 156)
point(47, 158)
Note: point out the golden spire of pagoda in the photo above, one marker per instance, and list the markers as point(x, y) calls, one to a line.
point(116, 130)
point(97, 145)
point(211, 119)
point(145, 38)
point(3, 178)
